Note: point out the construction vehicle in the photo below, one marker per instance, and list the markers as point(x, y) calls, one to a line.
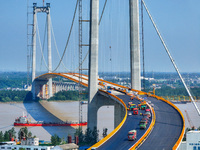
point(152, 92)
point(189, 120)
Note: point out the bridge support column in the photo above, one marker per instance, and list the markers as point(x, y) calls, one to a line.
point(34, 41)
point(105, 100)
point(134, 45)
point(92, 114)
point(49, 48)
point(43, 92)
point(118, 114)
point(93, 61)
point(36, 88)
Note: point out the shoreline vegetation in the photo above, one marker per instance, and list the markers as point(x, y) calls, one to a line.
point(168, 86)
point(9, 96)
point(26, 96)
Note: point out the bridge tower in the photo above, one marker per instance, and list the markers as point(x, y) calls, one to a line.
point(93, 63)
point(134, 44)
point(44, 9)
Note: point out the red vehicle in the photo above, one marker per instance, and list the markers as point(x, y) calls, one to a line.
point(147, 113)
point(147, 110)
point(129, 103)
point(132, 135)
point(144, 120)
point(135, 111)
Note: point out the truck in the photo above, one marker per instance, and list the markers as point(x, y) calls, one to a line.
point(135, 111)
point(142, 106)
point(132, 135)
point(132, 106)
point(143, 125)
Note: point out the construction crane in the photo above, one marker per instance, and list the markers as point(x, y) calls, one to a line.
point(152, 92)
point(189, 120)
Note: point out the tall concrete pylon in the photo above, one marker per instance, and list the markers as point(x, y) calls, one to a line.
point(134, 45)
point(49, 47)
point(34, 41)
point(47, 11)
point(93, 63)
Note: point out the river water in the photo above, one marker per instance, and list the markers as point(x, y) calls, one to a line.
point(69, 110)
point(65, 110)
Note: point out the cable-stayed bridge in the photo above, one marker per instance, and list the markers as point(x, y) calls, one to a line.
point(165, 129)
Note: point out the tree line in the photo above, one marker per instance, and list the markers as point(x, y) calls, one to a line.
point(69, 95)
point(9, 95)
point(90, 137)
point(11, 134)
point(19, 96)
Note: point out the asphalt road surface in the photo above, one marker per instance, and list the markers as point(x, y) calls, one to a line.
point(167, 129)
point(120, 140)
point(164, 135)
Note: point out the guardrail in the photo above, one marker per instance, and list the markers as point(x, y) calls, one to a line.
point(116, 129)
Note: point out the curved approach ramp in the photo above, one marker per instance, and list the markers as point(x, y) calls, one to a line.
point(166, 133)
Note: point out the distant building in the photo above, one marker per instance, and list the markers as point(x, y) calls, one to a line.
point(33, 144)
point(30, 141)
point(192, 141)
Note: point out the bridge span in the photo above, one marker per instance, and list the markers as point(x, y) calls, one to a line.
point(165, 130)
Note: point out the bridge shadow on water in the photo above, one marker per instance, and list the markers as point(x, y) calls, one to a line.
point(39, 113)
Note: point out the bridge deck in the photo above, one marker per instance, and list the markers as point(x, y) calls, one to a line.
point(167, 128)
point(164, 135)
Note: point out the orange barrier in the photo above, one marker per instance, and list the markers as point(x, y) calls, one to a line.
point(116, 129)
point(60, 74)
point(142, 139)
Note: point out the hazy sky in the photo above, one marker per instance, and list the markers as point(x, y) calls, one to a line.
point(177, 20)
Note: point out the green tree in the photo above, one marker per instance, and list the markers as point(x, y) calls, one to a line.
point(55, 140)
point(95, 135)
point(79, 133)
point(88, 136)
point(16, 98)
point(1, 137)
point(6, 136)
point(23, 133)
point(29, 134)
point(12, 133)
